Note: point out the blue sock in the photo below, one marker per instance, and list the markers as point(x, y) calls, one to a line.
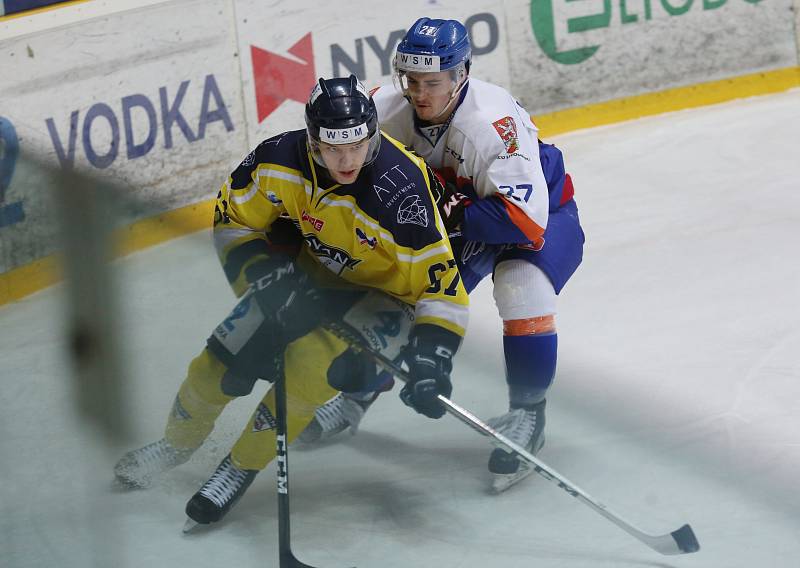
point(530, 367)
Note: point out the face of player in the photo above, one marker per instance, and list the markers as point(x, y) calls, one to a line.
point(431, 93)
point(344, 161)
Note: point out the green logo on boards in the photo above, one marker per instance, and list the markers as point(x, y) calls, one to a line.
point(544, 24)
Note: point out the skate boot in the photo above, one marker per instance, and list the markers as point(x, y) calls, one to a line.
point(339, 413)
point(525, 426)
point(219, 494)
point(136, 468)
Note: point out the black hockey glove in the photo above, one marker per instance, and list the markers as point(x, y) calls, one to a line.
point(430, 360)
point(352, 372)
point(451, 199)
point(287, 295)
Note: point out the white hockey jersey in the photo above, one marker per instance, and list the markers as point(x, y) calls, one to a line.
point(490, 140)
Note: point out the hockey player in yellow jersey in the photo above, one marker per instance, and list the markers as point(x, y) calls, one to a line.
point(334, 222)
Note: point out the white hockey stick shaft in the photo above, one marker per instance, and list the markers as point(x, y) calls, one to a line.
point(680, 541)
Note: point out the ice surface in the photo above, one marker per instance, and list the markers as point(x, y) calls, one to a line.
point(677, 397)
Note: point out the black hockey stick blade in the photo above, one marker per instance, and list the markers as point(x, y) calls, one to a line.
point(288, 560)
point(291, 562)
point(681, 541)
point(685, 539)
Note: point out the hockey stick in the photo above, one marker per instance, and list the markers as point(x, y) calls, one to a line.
point(680, 541)
point(286, 559)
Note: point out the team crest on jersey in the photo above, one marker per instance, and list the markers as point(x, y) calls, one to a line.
point(363, 239)
point(507, 130)
point(273, 198)
point(264, 420)
point(412, 211)
point(316, 223)
point(332, 258)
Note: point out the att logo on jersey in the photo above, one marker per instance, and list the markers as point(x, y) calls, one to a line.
point(332, 258)
point(412, 210)
point(363, 239)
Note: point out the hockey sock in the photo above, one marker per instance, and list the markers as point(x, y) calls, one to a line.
point(199, 402)
point(530, 347)
point(306, 364)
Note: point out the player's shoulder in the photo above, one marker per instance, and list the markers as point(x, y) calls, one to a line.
point(387, 96)
point(280, 151)
point(395, 114)
point(489, 115)
point(396, 194)
point(394, 153)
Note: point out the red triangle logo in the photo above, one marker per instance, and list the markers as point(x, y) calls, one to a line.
point(278, 78)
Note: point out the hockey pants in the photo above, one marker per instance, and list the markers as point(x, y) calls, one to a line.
point(384, 323)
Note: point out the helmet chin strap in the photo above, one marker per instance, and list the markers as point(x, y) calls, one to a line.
point(456, 91)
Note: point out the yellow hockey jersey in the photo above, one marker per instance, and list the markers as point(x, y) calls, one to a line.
point(383, 231)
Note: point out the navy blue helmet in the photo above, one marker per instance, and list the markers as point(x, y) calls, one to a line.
point(341, 111)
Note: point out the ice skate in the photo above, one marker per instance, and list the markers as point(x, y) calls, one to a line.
point(135, 469)
point(336, 415)
point(218, 495)
point(525, 426)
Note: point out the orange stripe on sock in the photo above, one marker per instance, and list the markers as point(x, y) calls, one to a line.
point(530, 326)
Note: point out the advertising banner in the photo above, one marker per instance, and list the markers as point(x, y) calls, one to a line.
point(552, 54)
point(157, 109)
point(14, 6)
point(285, 46)
point(166, 96)
point(567, 53)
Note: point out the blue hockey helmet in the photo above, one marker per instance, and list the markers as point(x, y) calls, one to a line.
point(341, 111)
point(434, 45)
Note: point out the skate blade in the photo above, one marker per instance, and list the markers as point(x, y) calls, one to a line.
point(503, 481)
point(189, 526)
point(309, 437)
point(121, 484)
point(320, 439)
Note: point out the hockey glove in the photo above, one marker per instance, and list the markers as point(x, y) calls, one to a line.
point(430, 360)
point(352, 372)
point(451, 198)
point(286, 294)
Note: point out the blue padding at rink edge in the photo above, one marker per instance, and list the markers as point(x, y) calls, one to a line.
point(12, 6)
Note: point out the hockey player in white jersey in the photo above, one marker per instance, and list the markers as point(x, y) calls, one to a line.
point(510, 211)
